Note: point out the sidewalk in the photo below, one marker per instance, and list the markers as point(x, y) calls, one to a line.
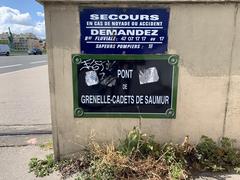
point(216, 176)
point(14, 163)
point(16, 152)
point(24, 121)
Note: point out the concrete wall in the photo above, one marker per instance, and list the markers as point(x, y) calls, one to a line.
point(207, 39)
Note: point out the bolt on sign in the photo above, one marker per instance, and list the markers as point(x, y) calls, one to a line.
point(125, 85)
point(123, 30)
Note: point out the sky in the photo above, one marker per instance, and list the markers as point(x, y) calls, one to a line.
point(22, 16)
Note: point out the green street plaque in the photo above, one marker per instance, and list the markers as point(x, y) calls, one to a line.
point(125, 85)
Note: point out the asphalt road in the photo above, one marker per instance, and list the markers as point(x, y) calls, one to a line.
point(15, 63)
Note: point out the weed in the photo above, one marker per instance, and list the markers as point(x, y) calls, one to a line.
point(176, 171)
point(139, 156)
point(47, 146)
point(72, 166)
point(138, 143)
point(176, 158)
point(217, 157)
point(42, 168)
point(106, 161)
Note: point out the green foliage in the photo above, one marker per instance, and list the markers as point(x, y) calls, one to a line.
point(178, 158)
point(217, 157)
point(139, 156)
point(105, 162)
point(170, 158)
point(176, 171)
point(169, 153)
point(44, 167)
point(100, 170)
point(138, 143)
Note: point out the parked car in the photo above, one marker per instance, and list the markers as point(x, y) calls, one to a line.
point(34, 51)
point(4, 49)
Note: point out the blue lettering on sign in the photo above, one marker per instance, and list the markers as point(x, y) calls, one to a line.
point(124, 31)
